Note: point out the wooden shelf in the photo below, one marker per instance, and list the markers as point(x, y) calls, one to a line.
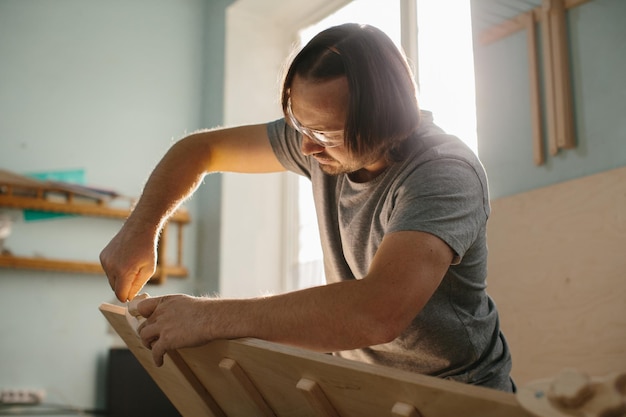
point(20, 262)
point(97, 209)
point(23, 193)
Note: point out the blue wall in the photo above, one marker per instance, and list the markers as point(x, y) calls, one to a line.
point(103, 86)
point(597, 35)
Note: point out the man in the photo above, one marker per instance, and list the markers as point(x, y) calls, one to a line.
point(402, 210)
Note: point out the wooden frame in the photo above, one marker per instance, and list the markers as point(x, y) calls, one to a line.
point(517, 23)
point(253, 377)
point(559, 124)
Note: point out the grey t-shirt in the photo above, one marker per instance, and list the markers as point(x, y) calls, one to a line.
point(439, 188)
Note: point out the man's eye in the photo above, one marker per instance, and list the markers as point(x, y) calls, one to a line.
point(334, 136)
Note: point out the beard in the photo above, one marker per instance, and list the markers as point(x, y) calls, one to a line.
point(351, 165)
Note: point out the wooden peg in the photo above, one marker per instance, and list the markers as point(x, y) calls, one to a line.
point(132, 313)
point(401, 409)
point(238, 377)
point(132, 304)
point(316, 398)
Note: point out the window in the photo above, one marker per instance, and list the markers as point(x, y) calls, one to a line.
point(446, 87)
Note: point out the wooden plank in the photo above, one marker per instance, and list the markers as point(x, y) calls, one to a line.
point(535, 88)
point(561, 76)
point(556, 268)
point(549, 74)
point(175, 378)
point(85, 209)
point(45, 264)
point(353, 388)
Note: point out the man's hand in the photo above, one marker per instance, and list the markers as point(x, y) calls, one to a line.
point(173, 322)
point(129, 261)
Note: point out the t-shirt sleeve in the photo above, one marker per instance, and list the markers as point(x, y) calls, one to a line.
point(444, 197)
point(285, 142)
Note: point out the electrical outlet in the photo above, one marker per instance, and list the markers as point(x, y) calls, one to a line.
point(22, 396)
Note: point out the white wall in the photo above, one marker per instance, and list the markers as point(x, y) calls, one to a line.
point(103, 86)
point(252, 226)
point(255, 226)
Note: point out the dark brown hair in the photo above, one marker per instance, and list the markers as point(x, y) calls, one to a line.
point(383, 109)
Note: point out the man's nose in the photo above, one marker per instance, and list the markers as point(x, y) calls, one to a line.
point(309, 147)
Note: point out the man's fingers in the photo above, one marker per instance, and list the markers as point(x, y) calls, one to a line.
point(126, 289)
point(157, 353)
point(132, 304)
point(146, 307)
point(121, 288)
point(141, 278)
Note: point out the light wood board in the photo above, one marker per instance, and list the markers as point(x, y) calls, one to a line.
point(254, 377)
point(557, 272)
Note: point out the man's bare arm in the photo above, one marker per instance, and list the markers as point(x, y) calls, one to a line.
point(406, 271)
point(129, 260)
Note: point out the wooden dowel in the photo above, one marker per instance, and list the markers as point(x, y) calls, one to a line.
point(235, 373)
point(316, 398)
point(535, 89)
point(401, 409)
point(561, 76)
point(548, 72)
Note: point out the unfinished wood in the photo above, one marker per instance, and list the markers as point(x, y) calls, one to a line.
point(516, 24)
point(240, 380)
point(404, 410)
point(535, 88)
point(571, 389)
point(602, 398)
point(549, 75)
point(12, 183)
point(561, 75)
point(175, 378)
point(316, 398)
point(353, 388)
point(45, 264)
point(81, 208)
point(556, 270)
point(23, 193)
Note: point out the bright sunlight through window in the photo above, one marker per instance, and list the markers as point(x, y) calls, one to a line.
point(446, 88)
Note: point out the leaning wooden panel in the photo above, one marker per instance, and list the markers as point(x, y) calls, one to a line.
point(352, 388)
point(174, 377)
point(557, 271)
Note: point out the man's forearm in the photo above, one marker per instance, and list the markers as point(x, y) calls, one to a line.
point(328, 318)
point(173, 180)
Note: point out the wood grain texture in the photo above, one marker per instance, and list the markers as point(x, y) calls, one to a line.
point(353, 388)
point(316, 398)
point(561, 76)
point(174, 378)
point(238, 379)
point(549, 74)
point(557, 271)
